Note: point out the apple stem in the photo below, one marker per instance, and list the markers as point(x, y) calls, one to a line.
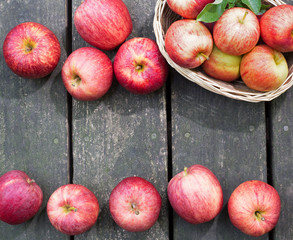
point(242, 20)
point(76, 81)
point(72, 209)
point(185, 171)
point(258, 215)
point(277, 57)
point(138, 67)
point(28, 49)
point(205, 56)
point(133, 206)
point(30, 181)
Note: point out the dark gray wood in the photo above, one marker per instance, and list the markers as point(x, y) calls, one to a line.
point(121, 135)
point(225, 135)
point(33, 119)
point(282, 154)
point(281, 113)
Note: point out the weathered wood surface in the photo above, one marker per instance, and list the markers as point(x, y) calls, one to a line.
point(225, 135)
point(124, 134)
point(282, 164)
point(119, 136)
point(33, 118)
point(281, 126)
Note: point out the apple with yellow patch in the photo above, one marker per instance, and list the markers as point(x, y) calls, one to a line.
point(73, 209)
point(87, 74)
point(140, 67)
point(263, 68)
point(254, 207)
point(31, 50)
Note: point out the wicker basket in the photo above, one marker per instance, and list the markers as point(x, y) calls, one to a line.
point(164, 17)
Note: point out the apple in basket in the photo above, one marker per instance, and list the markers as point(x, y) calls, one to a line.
point(20, 197)
point(264, 68)
point(73, 209)
point(103, 24)
point(237, 31)
point(195, 194)
point(191, 50)
point(276, 28)
point(87, 74)
point(140, 67)
point(31, 50)
point(188, 8)
point(222, 66)
point(135, 204)
point(254, 207)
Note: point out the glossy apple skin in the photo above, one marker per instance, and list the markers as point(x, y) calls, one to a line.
point(187, 51)
point(188, 8)
point(222, 66)
point(102, 23)
point(135, 204)
point(263, 69)
point(83, 213)
point(234, 36)
point(38, 62)
point(250, 197)
point(195, 194)
point(87, 74)
point(140, 67)
point(276, 27)
point(20, 197)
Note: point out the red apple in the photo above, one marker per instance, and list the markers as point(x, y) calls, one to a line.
point(188, 43)
point(263, 69)
point(140, 67)
point(222, 66)
point(73, 209)
point(188, 8)
point(237, 31)
point(20, 197)
point(195, 194)
point(102, 23)
point(276, 28)
point(31, 50)
point(135, 204)
point(87, 74)
point(254, 207)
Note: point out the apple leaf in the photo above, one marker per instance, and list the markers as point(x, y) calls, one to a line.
point(212, 11)
point(254, 5)
point(263, 9)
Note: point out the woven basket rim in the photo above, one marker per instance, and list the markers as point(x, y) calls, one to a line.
point(235, 90)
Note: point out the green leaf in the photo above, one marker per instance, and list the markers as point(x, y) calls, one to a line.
point(213, 11)
point(254, 5)
point(263, 9)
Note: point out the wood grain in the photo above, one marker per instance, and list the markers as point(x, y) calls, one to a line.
point(280, 128)
point(33, 118)
point(121, 135)
point(281, 157)
point(225, 135)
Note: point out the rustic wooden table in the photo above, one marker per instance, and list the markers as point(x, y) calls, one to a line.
point(57, 140)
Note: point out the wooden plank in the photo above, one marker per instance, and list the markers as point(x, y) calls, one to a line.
point(33, 135)
point(225, 135)
point(281, 157)
point(281, 112)
point(121, 135)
